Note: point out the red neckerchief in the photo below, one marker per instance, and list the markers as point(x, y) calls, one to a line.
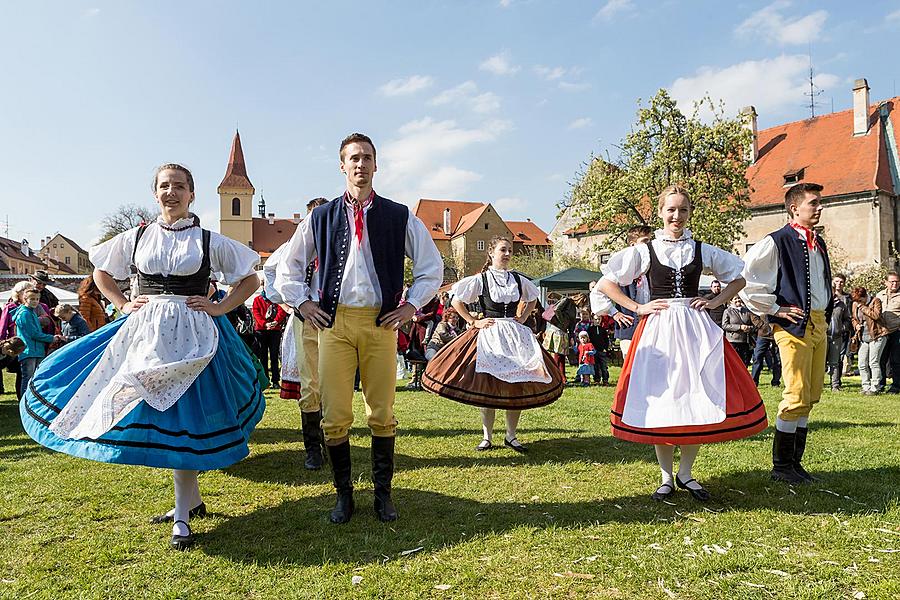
point(358, 208)
point(812, 240)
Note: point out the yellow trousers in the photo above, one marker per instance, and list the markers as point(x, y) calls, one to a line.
point(306, 339)
point(354, 340)
point(802, 367)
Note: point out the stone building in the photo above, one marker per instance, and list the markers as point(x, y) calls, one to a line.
point(854, 154)
point(17, 258)
point(462, 230)
point(63, 256)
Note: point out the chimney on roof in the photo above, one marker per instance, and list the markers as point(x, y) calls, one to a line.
point(271, 218)
point(25, 250)
point(860, 107)
point(748, 115)
point(297, 218)
point(446, 221)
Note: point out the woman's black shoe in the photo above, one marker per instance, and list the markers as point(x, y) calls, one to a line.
point(660, 496)
point(700, 494)
point(484, 445)
point(198, 512)
point(515, 445)
point(183, 542)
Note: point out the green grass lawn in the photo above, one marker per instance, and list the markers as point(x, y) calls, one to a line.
point(572, 519)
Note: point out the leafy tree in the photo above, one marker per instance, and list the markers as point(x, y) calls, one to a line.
point(127, 216)
point(665, 147)
point(537, 264)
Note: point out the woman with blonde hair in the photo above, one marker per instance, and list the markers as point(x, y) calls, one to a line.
point(497, 362)
point(682, 383)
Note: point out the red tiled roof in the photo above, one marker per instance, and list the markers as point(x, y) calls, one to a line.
point(267, 238)
point(73, 244)
point(431, 212)
point(528, 233)
point(13, 250)
point(469, 219)
point(236, 175)
point(60, 266)
point(828, 153)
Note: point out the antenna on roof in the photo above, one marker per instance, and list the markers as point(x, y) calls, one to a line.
point(813, 89)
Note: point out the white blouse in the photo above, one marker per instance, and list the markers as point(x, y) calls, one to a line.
point(165, 252)
point(271, 266)
point(502, 287)
point(761, 273)
point(627, 265)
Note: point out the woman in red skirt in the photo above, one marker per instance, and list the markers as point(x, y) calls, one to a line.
point(497, 362)
point(682, 383)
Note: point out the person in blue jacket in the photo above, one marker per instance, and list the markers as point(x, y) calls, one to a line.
point(29, 329)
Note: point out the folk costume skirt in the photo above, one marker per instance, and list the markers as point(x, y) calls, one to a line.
point(682, 383)
point(524, 374)
point(290, 367)
point(207, 427)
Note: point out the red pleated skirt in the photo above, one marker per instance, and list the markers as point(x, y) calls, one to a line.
point(745, 412)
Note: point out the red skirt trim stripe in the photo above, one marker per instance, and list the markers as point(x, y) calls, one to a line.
point(745, 411)
point(290, 390)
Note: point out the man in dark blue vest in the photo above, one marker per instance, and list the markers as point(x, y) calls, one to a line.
point(788, 277)
point(361, 240)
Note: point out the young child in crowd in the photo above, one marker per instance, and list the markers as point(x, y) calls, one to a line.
point(28, 327)
point(72, 324)
point(586, 354)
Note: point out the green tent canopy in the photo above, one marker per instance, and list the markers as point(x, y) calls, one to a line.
point(567, 281)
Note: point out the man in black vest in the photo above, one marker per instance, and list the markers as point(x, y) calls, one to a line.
point(788, 277)
point(361, 240)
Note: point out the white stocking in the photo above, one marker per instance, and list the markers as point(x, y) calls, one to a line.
point(686, 463)
point(665, 456)
point(512, 423)
point(487, 422)
point(187, 496)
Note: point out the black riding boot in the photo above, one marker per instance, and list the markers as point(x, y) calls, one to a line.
point(340, 466)
point(382, 474)
point(312, 439)
point(799, 448)
point(783, 447)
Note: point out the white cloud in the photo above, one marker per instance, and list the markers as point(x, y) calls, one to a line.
point(612, 8)
point(894, 16)
point(467, 94)
point(405, 86)
point(416, 163)
point(785, 77)
point(505, 3)
point(550, 73)
point(510, 207)
point(581, 123)
point(90, 12)
point(772, 25)
point(568, 86)
point(499, 64)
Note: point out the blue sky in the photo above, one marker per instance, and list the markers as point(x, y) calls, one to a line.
point(495, 101)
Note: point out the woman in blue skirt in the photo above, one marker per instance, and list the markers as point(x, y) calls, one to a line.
point(171, 385)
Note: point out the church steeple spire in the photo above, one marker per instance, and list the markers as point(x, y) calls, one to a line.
point(236, 175)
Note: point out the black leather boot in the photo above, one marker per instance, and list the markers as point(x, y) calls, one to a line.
point(799, 448)
point(382, 474)
point(340, 466)
point(312, 439)
point(783, 458)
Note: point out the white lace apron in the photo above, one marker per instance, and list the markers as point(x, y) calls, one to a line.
point(510, 352)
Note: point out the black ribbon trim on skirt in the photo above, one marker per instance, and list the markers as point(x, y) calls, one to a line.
point(708, 432)
point(254, 400)
point(727, 416)
point(436, 383)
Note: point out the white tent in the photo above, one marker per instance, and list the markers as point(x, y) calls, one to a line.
point(65, 296)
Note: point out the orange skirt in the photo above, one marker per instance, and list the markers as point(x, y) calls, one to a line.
point(451, 374)
point(745, 412)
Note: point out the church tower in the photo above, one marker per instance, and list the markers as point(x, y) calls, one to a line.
point(236, 198)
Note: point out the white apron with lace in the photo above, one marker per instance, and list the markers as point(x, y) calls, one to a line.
point(155, 356)
point(678, 373)
point(290, 370)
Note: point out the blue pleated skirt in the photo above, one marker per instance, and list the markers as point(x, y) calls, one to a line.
point(207, 428)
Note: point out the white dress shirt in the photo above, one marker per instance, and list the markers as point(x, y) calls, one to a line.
point(761, 272)
point(359, 285)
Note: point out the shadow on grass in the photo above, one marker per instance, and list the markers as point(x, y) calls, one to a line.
point(297, 532)
point(285, 466)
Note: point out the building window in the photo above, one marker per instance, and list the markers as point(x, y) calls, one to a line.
point(54, 245)
point(61, 245)
point(792, 177)
point(486, 225)
point(68, 260)
point(235, 207)
point(480, 245)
